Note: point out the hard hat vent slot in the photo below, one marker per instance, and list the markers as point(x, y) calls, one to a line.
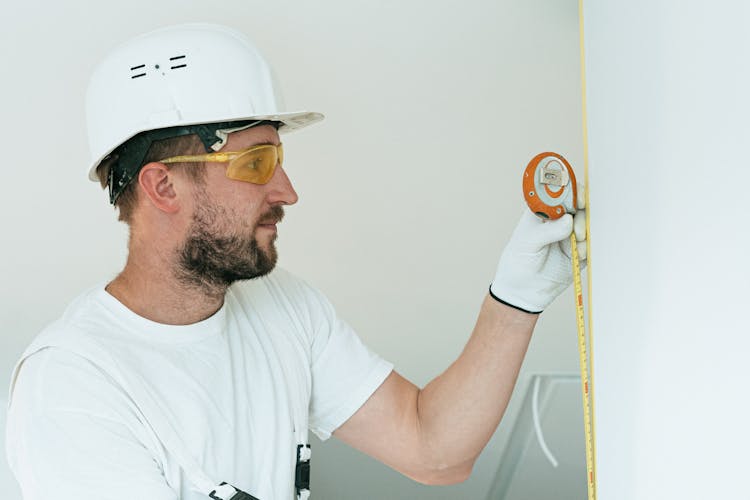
point(178, 62)
point(139, 67)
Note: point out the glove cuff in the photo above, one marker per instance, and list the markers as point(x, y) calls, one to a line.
point(509, 304)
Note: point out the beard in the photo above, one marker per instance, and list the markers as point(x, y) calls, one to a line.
point(212, 261)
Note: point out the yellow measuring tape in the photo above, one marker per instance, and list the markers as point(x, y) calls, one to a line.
point(550, 190)
point(586, 384)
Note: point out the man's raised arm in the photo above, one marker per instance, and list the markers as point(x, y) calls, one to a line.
point(435, 434)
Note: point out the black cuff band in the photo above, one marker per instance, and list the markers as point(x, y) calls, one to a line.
point(511, 305)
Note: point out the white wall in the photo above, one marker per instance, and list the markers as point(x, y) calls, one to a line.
point(668, 113)
point(409, 189)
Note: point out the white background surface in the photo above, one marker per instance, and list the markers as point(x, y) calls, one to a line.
point(668, 114)
point(408, 190)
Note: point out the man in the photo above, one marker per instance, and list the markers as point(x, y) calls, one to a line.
point(198, 370)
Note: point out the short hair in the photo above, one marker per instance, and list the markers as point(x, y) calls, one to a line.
point(159, 150)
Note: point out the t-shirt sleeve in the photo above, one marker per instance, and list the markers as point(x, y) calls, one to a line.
point(68, 435)
point(345, 373)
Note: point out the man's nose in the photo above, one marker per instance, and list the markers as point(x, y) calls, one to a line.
point(281, 189)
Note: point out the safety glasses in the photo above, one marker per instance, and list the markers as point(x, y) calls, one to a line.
point(255, 164)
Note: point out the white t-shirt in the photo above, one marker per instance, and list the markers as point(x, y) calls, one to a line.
point(235, 387)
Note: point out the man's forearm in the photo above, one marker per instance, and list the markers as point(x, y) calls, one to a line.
point(460, 409)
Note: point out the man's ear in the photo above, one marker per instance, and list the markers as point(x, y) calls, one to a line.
point(157, 182)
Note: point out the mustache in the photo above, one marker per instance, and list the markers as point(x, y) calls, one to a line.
point(273, 216)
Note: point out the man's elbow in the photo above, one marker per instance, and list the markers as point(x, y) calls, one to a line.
point(441, 476)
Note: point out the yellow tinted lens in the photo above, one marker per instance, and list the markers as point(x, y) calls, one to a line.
point(256, 165)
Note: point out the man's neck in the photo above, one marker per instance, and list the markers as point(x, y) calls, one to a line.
point(154, 292)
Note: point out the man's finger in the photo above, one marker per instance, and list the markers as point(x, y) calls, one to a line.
point(579, 225)
point(581, 196)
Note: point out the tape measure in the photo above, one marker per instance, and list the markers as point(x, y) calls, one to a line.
point(549, 186)
point(550, 190)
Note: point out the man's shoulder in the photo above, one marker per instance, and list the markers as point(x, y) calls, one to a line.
point(80, 317)
point(66, 342)
point(61, 365)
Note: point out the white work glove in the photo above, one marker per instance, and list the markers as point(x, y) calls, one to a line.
point(536, 265)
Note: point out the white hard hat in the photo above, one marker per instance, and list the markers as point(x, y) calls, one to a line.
point(181, 75)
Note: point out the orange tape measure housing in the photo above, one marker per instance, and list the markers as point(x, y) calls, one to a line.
point(546, 201)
